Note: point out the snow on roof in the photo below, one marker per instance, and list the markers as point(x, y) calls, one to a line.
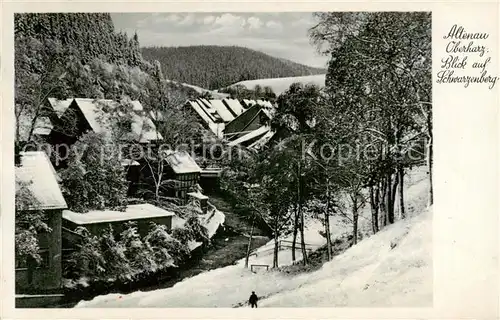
point(262, 141)
point(129, 162)
point(199, 110)
point(208, 108)
point(205, 101)
point(38, 172)
point(132, 212)
point(265, 103)
point(222, 110)
point(182, 162)
point(93, 112)
point(208, 115)
point(268, 113)
point(142, 126)
point(197, 195)
point(59, 106)
point(235, 106)
point(217, 129)
point(144, 129)
point(248, 102)
point(252, 134)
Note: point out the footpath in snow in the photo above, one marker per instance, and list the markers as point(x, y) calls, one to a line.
point(390, 268)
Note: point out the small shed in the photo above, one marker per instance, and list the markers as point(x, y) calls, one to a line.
point(98, 220)
point(201, 199)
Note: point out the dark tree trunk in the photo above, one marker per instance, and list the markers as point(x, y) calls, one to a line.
point(301, 215)
point(249, 247)
point(276, 247)
point(327, 225)
point(388, 198)
point(295, 231)
point(394, 188)
point(355, 219)
point(302, 239)
point(383, 203)
point(401, 192)
point(374, 199)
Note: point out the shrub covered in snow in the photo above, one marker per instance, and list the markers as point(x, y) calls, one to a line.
point(168, 251)
point(87, 260)
point(117, 265)
point(198, 232)
point(137, 251)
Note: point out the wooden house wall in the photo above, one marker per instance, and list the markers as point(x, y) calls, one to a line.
point(48, 275)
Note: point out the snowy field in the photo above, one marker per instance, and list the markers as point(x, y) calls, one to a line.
point(390, 268)
point(280, 85)
point(200, 90)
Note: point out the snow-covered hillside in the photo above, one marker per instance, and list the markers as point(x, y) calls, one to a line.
point(200, 90)
point(279, 85)
point(390, 268)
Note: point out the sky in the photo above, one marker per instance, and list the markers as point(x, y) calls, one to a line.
point(282, 35)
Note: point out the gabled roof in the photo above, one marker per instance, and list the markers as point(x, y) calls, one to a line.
point(199, 110)
point(132, 212)
point(38, 173)
point(182, 162)
point(142, 129)
point(59, 106)
point(208, 114)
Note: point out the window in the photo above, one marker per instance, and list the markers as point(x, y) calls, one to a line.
point(22, 262)
point(45, 255)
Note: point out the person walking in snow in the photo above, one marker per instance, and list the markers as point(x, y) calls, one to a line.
point(253, 299)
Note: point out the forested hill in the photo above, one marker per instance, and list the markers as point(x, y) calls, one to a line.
point(65, 55)
point(87, 35)
point(214, 67)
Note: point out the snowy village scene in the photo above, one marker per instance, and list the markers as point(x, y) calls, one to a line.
point(223, 160)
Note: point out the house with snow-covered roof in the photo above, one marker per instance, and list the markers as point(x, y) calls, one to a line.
point(231, 118)
point(251, 119)
point(84, 115)
point(207, 115)
point(185, 173)
point(37, 183)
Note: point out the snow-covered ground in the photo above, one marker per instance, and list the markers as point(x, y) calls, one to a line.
point(280, 85)
point(200, 90)
point(390, 268)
